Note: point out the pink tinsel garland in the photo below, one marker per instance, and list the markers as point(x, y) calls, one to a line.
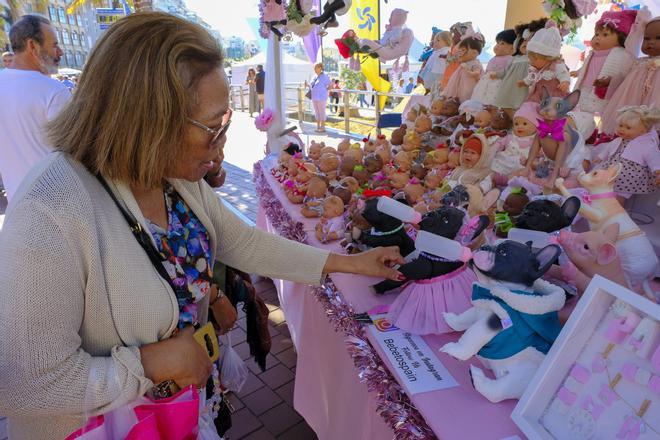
point(393, 404)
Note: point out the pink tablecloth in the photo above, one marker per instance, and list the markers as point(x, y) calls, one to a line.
point(328, 393)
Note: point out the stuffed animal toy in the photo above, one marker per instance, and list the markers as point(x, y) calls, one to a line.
point(395, 42)
point(513, 321)
point(601, 209)
point(423, 123)
point(386, 230)
point(398, 135)
point(434, 285)
point(554, 141)
point(332, 226)
point(546, 216)
point(331, 8)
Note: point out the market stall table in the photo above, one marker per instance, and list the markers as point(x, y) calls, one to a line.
point(343, 386)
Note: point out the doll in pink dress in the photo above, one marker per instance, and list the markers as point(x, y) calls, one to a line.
point(465, 78)
point(642, 85)
point(486, 89)
point(637, 150)
point(546, 67)
point(608, 63)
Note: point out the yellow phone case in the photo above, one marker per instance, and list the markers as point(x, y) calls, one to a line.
point(207, 338)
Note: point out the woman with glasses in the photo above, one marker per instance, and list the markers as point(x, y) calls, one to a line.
point(107, 249)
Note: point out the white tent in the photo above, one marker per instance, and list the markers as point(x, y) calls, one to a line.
point(295, 69)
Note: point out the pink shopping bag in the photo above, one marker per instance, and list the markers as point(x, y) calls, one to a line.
point(174, 418)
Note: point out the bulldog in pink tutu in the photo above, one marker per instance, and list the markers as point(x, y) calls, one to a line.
point(435, 285)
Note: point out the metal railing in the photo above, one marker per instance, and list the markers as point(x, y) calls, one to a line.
point(300, 108)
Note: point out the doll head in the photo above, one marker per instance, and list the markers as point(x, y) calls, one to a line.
point(651, 43)
point(398, 17)
point(373, 163)
point(314, 151)
point(399, 179)
point(411, 141)
point(330, 150)
point(412, 115)
point(329, 162)
point(381, 140)
point(471, 152)
point(525, 120)
point(344, 145)
point(317, 187)
point(441, 39)
point(423, 123)
point(433, 179)
point(333, 206)
point(453, 158)
point(515, 202)
point(436, 107)
point(483, 118)
point(501, 120)
point(361, 174)
point(305, 171)
point(350, 183)
point(470, 47)
point(343, 193)
point(612, 29)
point(384, 152)
point(450, 107)
point(369, 145)
point(355, 151)
point(413, 191)
point(346, 166)
point(636, 121)
point(418, 171)
point(398, 134)
point(437, 157)
point(402, 161)
point(504, 42)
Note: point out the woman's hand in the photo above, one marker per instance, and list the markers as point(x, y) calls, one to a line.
point(179, 358)
point(375, 262)
point(224, 313)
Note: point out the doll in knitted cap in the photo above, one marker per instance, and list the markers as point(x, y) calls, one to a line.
point(641, 85)
point(514, 148)
point(546, 67)
point(608, 62)
point(473, 166)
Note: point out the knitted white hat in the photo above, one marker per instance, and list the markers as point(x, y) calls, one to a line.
point(546, 41)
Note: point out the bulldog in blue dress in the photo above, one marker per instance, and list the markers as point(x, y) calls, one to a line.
point(513, 321)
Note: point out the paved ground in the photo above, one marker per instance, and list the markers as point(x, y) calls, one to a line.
point(264, 408)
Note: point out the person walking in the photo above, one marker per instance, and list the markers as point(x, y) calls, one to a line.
point(320, 85)
point(260, 82)
point(361, 97)
point(108, 251)
point(253, 98)
point(334, 96)
point(410, 86)
point(7, 59)
point(30, 98)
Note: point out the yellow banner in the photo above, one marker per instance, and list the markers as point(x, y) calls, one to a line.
point(74, 5)
point(366, 24)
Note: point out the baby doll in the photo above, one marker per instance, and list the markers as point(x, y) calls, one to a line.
point(418, 171)
point(344, 145)
point(369, 145)
point(355, 151)
point(317, 187)
point(434, 68)
point(384, 151)
point(435, 285)
point(328, 149)
point(546, 68)
point(329, 165)
point(351, 183)
point(501, 120)
point(608, 62)
point(361, 174)
point(402, 161)
point(473, 164)
point(314, 150)
point(373, 163)
point(636, 150)
point(458, 32)
point(642, 85)
point(346, 166)
point(510, 95)
point(413, 191)
point(512, 207)
point(331, 206)
point(462, 82)
point(399, 179)
point(437, 157)
point(514, 149)
point(398, 135)
point(412, 143)
point(331, 226)
point(486, 89)
point(296, 188)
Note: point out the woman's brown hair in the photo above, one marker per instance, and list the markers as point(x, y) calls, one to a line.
point(128, 116)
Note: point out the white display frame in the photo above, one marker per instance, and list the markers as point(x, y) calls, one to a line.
point(591, 309)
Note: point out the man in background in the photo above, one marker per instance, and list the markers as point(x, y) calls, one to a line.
point(410, 86)
point(30, 98)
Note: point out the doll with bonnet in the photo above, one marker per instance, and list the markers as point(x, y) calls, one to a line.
point(641, 86)
point(609, 61)
point(514, 148)
point(474, 162)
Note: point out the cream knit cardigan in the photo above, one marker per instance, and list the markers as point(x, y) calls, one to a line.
point(78, 295)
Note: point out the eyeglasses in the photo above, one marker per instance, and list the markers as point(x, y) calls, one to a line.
point(216, 133)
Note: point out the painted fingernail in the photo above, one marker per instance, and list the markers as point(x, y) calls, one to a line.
point(400, 277)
